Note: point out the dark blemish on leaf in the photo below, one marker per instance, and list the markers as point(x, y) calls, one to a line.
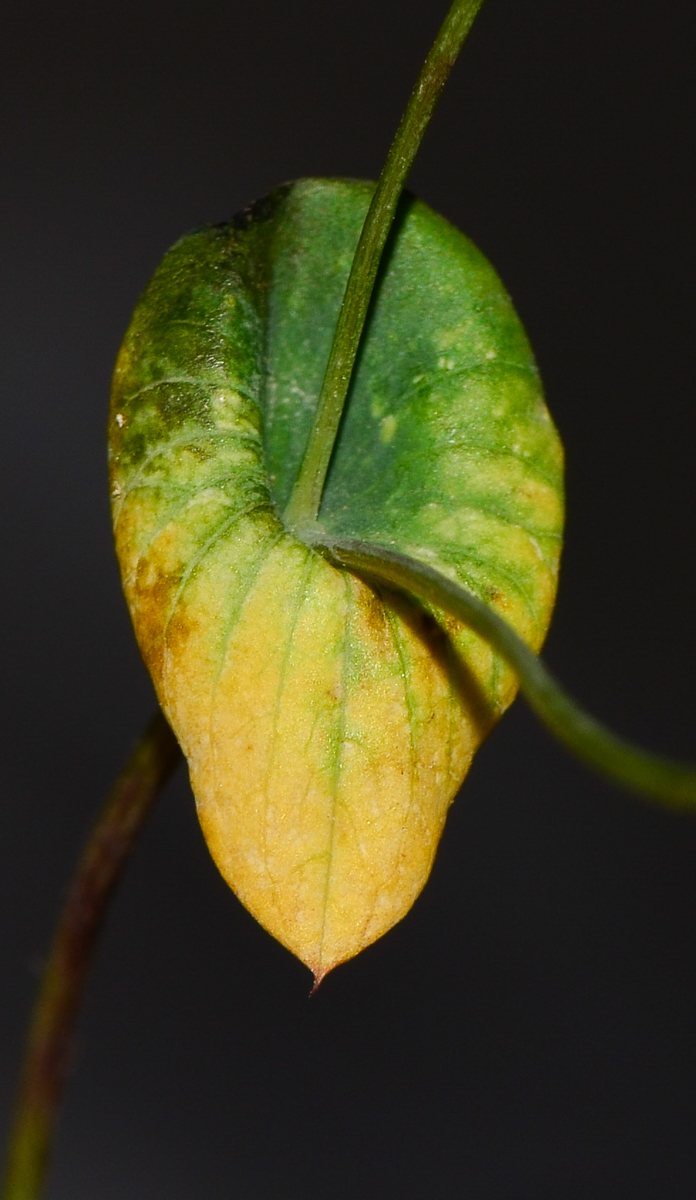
point(261, 210)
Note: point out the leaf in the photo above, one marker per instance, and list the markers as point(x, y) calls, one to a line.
point(327, 726)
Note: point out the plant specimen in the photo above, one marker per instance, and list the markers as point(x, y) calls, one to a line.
point(332, 633)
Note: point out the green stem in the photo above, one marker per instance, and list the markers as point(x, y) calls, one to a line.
point(672, 783)
point(306, 497)
point(60, 993)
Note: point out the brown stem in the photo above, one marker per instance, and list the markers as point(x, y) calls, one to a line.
point(60, 994)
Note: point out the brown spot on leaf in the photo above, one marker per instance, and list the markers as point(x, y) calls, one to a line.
point(152, 598)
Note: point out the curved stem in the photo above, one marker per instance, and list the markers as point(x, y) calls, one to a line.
point(672, 783)
point(60, 994)
point(306, 497)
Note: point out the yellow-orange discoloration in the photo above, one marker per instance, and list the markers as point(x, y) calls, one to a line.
point(326, 727)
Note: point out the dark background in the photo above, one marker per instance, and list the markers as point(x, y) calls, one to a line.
point(529, 1031)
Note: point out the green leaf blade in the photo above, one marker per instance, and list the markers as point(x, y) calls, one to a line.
point(327, 726)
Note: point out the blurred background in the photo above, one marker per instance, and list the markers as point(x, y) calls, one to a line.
point(529, 1032)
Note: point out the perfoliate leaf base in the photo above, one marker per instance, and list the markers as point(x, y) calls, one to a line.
point(327, 726)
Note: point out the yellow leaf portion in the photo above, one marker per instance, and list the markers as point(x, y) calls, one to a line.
point(325, 742)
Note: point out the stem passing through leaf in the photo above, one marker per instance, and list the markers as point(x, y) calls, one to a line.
point(663, 779)
point(306, 497)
